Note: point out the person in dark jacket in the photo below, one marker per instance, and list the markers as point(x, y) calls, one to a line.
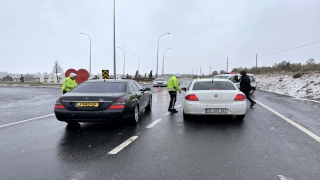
point(245, 86)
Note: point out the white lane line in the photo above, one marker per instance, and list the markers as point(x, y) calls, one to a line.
point(154, 123)
point(283, 177)
point(26, 120)
point(314, 136)
point(123, 145)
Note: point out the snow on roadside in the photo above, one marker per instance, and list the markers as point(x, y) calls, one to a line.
point(306, 87)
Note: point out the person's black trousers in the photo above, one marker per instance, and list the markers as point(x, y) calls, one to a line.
point(248, 97)
point(173, 99)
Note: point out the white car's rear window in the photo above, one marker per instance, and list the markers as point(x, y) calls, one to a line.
point(213, 85)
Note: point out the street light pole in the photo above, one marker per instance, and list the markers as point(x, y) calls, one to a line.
point(163, 61)
point(124, 61)
point(158, 53)
point(114, 41)
point(138, 63)
point(90, 52)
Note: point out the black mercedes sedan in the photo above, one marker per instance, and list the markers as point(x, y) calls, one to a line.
point(104, 100)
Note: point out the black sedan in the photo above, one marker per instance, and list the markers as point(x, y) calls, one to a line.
point(104, 100)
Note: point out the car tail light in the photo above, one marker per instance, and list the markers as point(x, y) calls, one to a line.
point(191, 97)
point(59, 104)
point(240, 97)
point(118, 104)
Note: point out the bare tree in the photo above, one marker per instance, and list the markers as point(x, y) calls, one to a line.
point(57, 69)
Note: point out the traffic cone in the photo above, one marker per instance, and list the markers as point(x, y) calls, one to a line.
point(159, 88)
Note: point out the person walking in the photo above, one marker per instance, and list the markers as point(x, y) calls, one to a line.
point(245, 86)
point(69, 83)
point(173, 87)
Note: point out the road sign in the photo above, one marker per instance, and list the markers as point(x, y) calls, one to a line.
point(105, 74)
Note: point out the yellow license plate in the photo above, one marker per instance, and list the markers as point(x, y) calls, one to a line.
point(88, 104)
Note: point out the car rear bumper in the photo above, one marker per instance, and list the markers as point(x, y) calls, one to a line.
point(196, 108)
point(91, 116)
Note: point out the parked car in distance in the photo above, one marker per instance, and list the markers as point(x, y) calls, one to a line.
point(213, 97)
point(104, 100)
point(159, 82)
point(231, 77)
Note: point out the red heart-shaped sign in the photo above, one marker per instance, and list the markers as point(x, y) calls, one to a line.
point(82, 75)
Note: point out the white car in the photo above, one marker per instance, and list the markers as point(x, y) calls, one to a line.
point(160, 82)
point(214, 97)
point(231, 77)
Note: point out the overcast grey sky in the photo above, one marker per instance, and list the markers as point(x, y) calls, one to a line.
point(35, 33)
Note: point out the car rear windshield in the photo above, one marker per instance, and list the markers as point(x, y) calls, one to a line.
point(159, 79)
point(100, 87)
point(220, 77)
point(213, 85)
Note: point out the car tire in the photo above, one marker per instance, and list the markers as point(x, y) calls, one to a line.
point(186, 116)
point(240, 117)
point(73, 126)
point(149, 106)
point(134, 119)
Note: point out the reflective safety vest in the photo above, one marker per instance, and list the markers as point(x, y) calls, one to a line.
point(68, 84)
point(174, 84)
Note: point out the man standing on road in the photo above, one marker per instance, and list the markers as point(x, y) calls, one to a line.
point(173, 87)
point(69, 83)
point(245, 86)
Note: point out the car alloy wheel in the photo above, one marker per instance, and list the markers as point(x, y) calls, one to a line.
point(135, 117)
point(149, 106)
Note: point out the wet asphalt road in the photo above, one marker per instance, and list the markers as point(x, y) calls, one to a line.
point(263, 146)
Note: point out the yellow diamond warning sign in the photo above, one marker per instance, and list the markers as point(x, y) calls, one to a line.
point(105, 74)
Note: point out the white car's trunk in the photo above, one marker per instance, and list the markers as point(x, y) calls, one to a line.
point(215, 96)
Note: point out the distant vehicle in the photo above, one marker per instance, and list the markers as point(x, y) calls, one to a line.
point(160, 82)
point(231, 77)
point(213, 97)
point(104, 100)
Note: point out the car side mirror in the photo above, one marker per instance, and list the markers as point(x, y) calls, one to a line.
point(184, 89)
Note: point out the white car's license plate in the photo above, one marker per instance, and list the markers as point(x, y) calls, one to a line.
point(217, 110)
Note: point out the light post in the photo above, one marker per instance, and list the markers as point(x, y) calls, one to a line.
point(158, 53)
point(90, 52)
point(124, 60)
point(163, 61)
point(138, 63)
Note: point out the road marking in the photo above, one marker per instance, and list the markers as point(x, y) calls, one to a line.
point(154, 123)
point(314, 136)
point(123, 145)
point(283, 177)
point(26, 120)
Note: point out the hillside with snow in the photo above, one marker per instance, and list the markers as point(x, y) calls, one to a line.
point(306, 87)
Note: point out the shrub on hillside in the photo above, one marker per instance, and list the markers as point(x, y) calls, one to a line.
point(298, 75)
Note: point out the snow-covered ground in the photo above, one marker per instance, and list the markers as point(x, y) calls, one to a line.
point(306, 87)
